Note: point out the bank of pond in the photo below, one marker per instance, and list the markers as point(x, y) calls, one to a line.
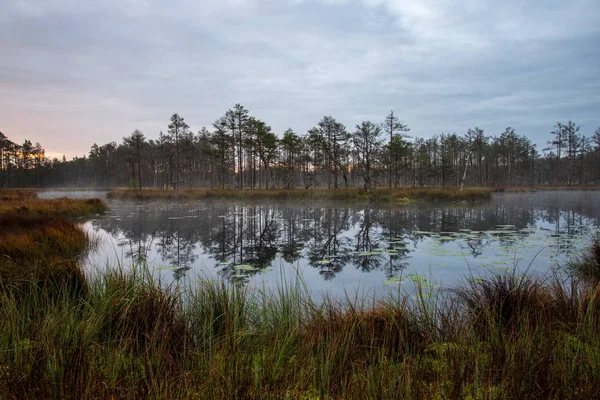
point(123, 332)
point(396, 195)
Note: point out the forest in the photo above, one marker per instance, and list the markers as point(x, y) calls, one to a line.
point(242, 152)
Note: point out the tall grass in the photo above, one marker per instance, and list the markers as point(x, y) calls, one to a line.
point(38, 247)
point(587, 265)
point(17, 194)
point(129, 336)
point(62, 207)
point(359, 194)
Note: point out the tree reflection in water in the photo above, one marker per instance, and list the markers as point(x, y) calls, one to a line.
point(331, 237)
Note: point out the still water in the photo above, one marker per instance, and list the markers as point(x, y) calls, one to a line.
point(342, 247)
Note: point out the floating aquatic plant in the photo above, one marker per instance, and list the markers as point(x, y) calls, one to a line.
point(393, 281)
point(245, 267)
point(416, 278)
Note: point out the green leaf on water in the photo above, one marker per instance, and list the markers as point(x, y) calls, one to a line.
point(206, 281)
point(369, 253)
point(392, 281)
point(245, 267)
point(165, 268)
point(416, 278)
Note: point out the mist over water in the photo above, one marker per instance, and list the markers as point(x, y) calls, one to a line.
point(342, 247)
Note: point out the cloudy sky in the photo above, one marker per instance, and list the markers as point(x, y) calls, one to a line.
point(74, 72)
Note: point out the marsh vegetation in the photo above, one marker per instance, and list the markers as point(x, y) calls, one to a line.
point(401, 195)
point(127, 331)
point(126, 335)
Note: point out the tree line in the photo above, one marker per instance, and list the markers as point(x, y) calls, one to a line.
point(241, 151)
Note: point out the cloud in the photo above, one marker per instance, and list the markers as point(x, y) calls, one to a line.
point(73, 73)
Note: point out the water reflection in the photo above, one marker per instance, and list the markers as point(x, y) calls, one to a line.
point(241, 241)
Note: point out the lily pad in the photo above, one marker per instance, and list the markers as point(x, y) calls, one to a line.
point(392, 281)
point(416, 278)
point(165, 268)
point(369, 253)
point(245, 267)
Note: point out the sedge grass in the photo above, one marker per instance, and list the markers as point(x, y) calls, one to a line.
point(587, 265)
point(17, 194)
point(39, 247)
point(130, 336)
point(62, 207)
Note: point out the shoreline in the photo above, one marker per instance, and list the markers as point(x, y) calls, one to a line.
point(399, 196)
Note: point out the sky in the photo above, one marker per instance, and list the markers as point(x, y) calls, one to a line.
point(75, 72)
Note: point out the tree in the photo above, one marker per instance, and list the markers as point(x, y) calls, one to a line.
point(177, 128)
point(5, 146)
point(393, 126)
point(337, 149)
point(573, 141)
point(332, 137)
point(558, 142)
point(596, 142)
point(367, 143)
point(236, 120)
point(266, 146)
point(469, 141)
point(291, 145)
point(223, 145)
point(135, 144)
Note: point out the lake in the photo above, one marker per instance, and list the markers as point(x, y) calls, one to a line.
point(344, 247)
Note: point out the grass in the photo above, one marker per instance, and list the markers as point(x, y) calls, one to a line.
point(39, 246)
point(129, 336)
point(587, 266)
point(16, 194)
point(63, 207)
point(399, 195)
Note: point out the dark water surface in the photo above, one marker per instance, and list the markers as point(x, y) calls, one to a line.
point(344, 247)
